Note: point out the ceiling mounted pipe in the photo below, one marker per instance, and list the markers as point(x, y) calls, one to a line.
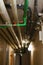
point(9, 36)
point(6, 17)
point(1, 33)
point(6, 41)
point(3, 12)
point(7, 29)
point(14, 10)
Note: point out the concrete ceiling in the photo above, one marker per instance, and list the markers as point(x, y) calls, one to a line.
point(31, 3)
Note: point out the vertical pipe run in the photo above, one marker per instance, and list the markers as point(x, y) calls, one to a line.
point(25, 11)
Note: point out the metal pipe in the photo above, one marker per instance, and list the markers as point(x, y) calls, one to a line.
point(1, 33)
point(6, 17)
point(14, 10)
point(2, 37)
point(7, 37)
point(6, 32)
point(25, 11)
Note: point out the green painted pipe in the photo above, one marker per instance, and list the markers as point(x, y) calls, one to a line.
point(25, 14)
point(25, 8)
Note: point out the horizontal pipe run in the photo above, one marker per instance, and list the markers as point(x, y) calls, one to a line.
point(7, 18)
point(1, 33)
point(6, 32)
point(15, 14)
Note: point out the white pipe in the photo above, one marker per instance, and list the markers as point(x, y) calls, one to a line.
point(6, 17)
point(15, 14)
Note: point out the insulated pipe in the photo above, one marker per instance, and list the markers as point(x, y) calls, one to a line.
point(14, 10)
point(6, 32)
point(6, 17)
point(1, 33)
point(3, 12)
point(6, 41)
point(7, 37)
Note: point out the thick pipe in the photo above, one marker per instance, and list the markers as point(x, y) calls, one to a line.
point(6, 17)
point(14, 10)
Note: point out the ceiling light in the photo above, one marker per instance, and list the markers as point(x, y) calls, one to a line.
point(25, 42)
point(14, 54)
point(31, 47)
